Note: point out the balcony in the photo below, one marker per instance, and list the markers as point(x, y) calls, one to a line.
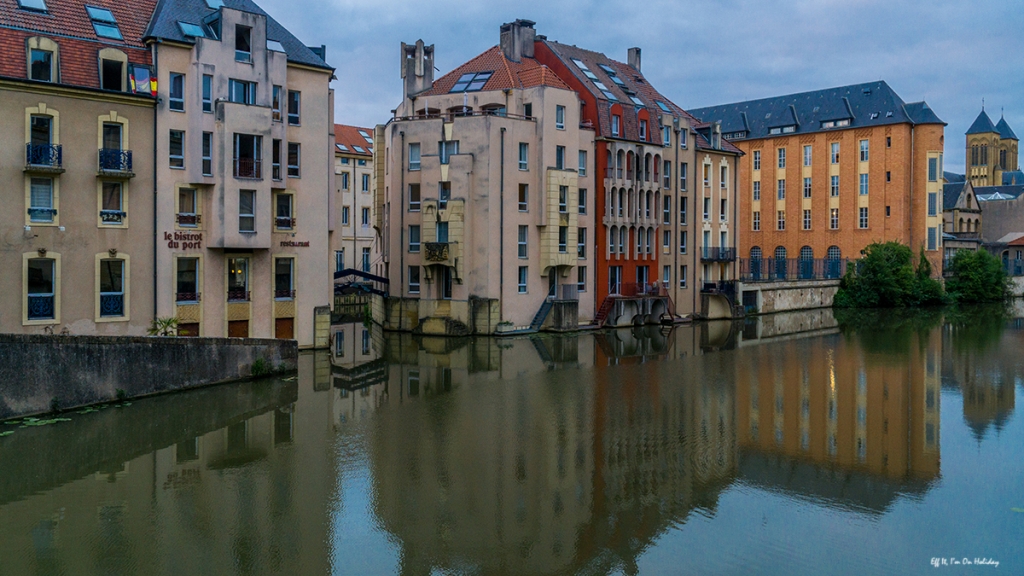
point(40, 306)
point(188, 220)
point(238, 295)
point(284, 223)
point(115, 163)
point(284, 294)
point(187, 297)
point(249, 168)
point(111, 304)
point(112, 216)
point(630, 289)
point(792, 269)
point(709, 254)
point(436, 251)
point(41, 214)
point(723, 287)
point(44, 158)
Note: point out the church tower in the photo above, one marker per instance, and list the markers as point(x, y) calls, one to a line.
point(991, 151)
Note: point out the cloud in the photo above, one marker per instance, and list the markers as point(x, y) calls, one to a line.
point(948, 52)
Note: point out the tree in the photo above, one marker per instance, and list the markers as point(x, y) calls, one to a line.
point(977, 276)
point(885, 278)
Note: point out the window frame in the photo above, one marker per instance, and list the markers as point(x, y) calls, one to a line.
point(176, 92)
point(251, 215)
point(295, 170)
point(176, 161)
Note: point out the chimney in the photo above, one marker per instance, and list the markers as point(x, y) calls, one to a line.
point(417, 67)
point(633, 58)
point(716, 135)
point(517, 39)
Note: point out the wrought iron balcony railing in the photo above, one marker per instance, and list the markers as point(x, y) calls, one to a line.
point(112, 216)
point(238, 295)
point(40, 306)
point(249, 168)
point(49, 156)
point(188, 219)
point(284, 223)
point(111, 304)
point(187, 297)
point(781, 269)
point(711, 254)
point(41, 214)
point(115, 161)
point(284, 294)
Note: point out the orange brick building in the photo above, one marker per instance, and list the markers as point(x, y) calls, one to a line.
point(826, 173)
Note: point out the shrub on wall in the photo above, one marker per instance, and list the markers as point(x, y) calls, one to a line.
point(977, 276)
point(886, 278)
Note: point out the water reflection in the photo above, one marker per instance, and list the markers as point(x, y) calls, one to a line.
point(541, 454)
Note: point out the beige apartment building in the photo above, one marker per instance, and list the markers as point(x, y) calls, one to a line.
point(77, 113)
point(354, 235)
point(244, 172)
point(486, 227)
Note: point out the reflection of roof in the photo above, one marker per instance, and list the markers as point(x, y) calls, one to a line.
point(992, 193)
point(982, 125)
point(506, 74)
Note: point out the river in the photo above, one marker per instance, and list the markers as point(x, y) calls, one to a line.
point(790, 444)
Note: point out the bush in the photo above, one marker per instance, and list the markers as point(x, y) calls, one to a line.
point(977, 276)
point(164, 327)
point(885, 278)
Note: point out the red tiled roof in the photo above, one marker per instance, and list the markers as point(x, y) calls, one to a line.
point(1017, 242)
point(350, 137)
point(507, 74)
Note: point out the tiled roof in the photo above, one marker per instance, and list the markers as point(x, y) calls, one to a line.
point(954, 177)
point(1004, 130)
point(1013, 177)
point(169, 12)
point(982, 125)
point(863, 105)
point(951, 193)
point(347, 139)
point(992, 193)
point(507, 74)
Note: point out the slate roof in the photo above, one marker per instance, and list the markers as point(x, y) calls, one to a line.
point(528, 73)
point(982, 125)
point(993, 193)
point(864, 105)
point(1004, 130)
point(164, 25)
point(1013, 177)
point(349, 137)
point(951, 193)
point(954, 177)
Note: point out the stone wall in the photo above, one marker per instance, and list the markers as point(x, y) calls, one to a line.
point(41, 371)
point(797, 295)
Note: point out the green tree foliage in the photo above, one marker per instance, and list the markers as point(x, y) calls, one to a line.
point(977, 276)
point(885, 278)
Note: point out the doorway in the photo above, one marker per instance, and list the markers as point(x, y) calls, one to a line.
point(284, 328)
point(446, 283)
point(238, 329)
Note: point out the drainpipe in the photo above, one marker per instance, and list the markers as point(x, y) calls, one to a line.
point(156, 72)
point(913, 164)
point(401, 231)
point(673, 183)
point(501, 228)
point(735, 220)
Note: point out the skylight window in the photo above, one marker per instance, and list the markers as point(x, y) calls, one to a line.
point(359, 149)
point(214, 4)
point(636, 101)
point(662, 106)
point(342, 147)
point(193, 30)
point(609, 95)
point(103, 23)
point(275, 46)
point(601, 86)
point(366, 136)
point(471, 82)
point(583, 67)
point(39, 5)
point(612, 74)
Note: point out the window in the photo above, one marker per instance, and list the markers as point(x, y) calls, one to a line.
point(366, 259)
point(248, 156)
point(682, 241)
point(863, 150)
point(666, 241)
point(863, 222)
point(414, 239)
point(807, 219)
point(188, 202)
point(344, 177)
point(888, 176)
point(833, 218)
point(582, 169)
point(807, 155)
point(471, 82)
point(207, 153)
point(103, 23)
point(707, 175)
point(615, 124)
point(112, 74)
point(781, 189)
point(835, 153)
point(888, 141)
point(522, 243)
point(294, 107)
point(563, 239)
point(932, 202)
point(241, 92)
point(682, 276)
point(283, 216)
point(723, 209)
point(524, 193)
point(112, 204)
point(667, 176)
point(757, 190)
point(294, 154)
point(643, 129)
point(757, 159)
point(563, 199)
point(339, 260)
point(176, 151)
point(863, 184)
point(444, 194)
point(707, 208)
point(40, 65)
point(560, 117)
point(682, 210)
point(522, 279)
point(682, 138)
point(284, 278)
point(560, 157)
point(446, 149)
point(582, 199)
point(666, 210)
point(276, 164)
point(414, 279)
point(581, 242)
point(366, 183)
point(757, 221)
point(723, 178)
point(781, 222)
point(932, 242)
point(365, 217)
point(176, 97)
point(207, 93)
point(344, 215)
point(666, 135)
point(682, 176)
point(834, 186)
point(581, 278)
point(528, 111)
point(243, 43)
point(40, 207)
point(524, 156)
point(238, 279)
point(782, 157)
point(275, 104)
point(414, 197)
point(933, 169)
point(41, 303)
point(247, 211)
point(414, 157)
point(187, 285)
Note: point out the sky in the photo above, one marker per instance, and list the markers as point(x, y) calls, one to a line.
point(950, 53)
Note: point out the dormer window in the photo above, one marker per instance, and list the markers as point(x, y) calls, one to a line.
point(103, 23)
point(243, 43)
point(193, 30)
point(663, 106)
point(41, 65)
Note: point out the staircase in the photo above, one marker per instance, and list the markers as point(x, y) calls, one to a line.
point(542, 314)
point(604, 311)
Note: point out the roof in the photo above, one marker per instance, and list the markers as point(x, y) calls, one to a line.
point(507, 74)
point(982, 124)
point(164, 25)
point(1011, 237)
point(861, 105)
point(993, 193)
point(1004, 130)
point(951, 193)
point(68, 18)
point(954, 177)
point(1016, 242)
point(1013, 177)
point(348, 140)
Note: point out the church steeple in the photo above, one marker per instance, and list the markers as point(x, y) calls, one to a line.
point(982, 125)
point(1004, 130)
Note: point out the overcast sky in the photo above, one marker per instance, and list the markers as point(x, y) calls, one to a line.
point(950, 53)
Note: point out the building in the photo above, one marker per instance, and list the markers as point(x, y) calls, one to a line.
point(961, 219)
point(983, 168)
point(486, 221)
point(826, 173)
point(75, 85)
point(354, 236)
point(665, 188)
point(242, 250)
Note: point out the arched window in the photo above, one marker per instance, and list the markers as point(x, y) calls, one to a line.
point(755, 253)
point(780, 253)
point(807, 253)
point(629, 166)
point(781, 265)
point(640, 237)
point(806, 262)
point(113, 70)
point(755, 263)
point(43, 59)
point(622, 198)
point(961, 227)
point(647, 207)
point(834, 253)
point(647, 168)
point(833, 264)
point(619, 161)
point(623, 239)
point(613, 235)
point(650, 239)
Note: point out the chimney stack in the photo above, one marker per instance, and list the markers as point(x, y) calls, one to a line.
point(417, 67)
point(517, 39)
point(633, 58)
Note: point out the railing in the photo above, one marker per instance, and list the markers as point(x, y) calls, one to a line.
point(786, 269)
point(436, 251)
point(284, 222)
point(709, 254)
point(641, 289)
point(40, 306)
point(115, 160)
point(723, 287)
point(284, 294)
point(187, 297)
point(251, 168)
point(41, 214)
point(111, 304)
point(238, 295)
point(112, 216)
point(186, 219)
point(1012, 267)
point(460, 114)
point(46, 155)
